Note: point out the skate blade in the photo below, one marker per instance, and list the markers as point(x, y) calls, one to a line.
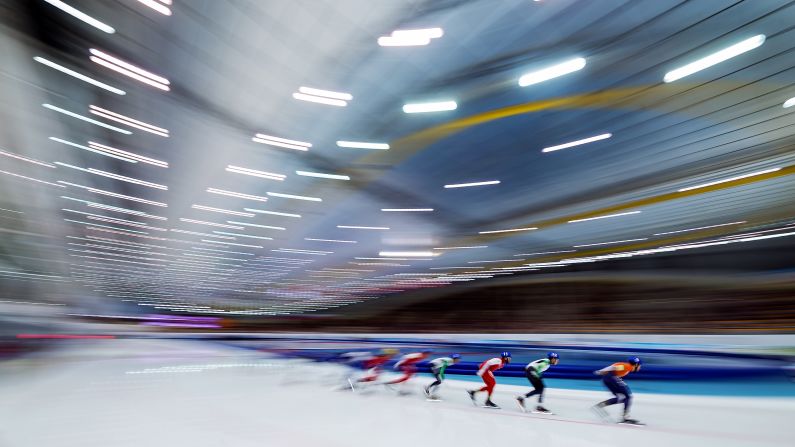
point(430, 399)
point(632, 424)
point(490, 408)
point(521, 407)
point(542, 412)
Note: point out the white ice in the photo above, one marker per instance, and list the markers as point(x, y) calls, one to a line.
point(187, 393)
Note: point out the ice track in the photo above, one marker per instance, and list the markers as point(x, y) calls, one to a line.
point(183, 393)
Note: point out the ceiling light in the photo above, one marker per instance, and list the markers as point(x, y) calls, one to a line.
point(113, 194)
point(715, 58)
point(128, 121)
point(731, 179)
point(467, 185)
point(354, 227)
point(430, 107)
point(291, 196)
point(554, 71)
point(604, 217)
point(157, 6)
point(325, 93)
point(329, 240)
point(212, 224)
point(115, 176)
point(275, 213)
point(319, 100)
point(220, 210)
point(461, 248)
point(321, 175)
point(32, 179)
point(195, 233)
point(255, 173)
point(77, 75)
point(245, 224)
point(243, 235)
point(407, 210)
point(127, 155)
point(362, 145)
point(231, 243)
point(90, 149)
point(129, 70)
point(29, 160)
point(603, 136)
point(418, 254)
point(611, 242)
point(700, 228)
point(86, 119)
point(281, 142)
point(82, 16)
point(788, 103)
point(508, 230)
point(236, 194)
point(410, 37)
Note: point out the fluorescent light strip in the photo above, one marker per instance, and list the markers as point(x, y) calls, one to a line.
point(223, 251)
point(406, 210)
point(96, 151)
point(106, 226)
point(157, 6)
point(603, 136)
point(731, 179)
point(130, 155)
point(29, 160)
point(330, 240)
point(466, 185)
point(255, 225)
point(552, 72)
point(129, 66)
point(212, 224)
point(279, 144)
point(124, 210)
point(129, 121)
point(701, 228)
point(290, 196)
point(320, 100)
point(114, 176)
point(508, 230)
point(31, 179)
point(495, 260)
point(432, 33)
point(354, 227)
point(325, 93)
point(430, 107)
point(611, 242)
point(789, 103)
point(299, 252)
point(81, 16)
point(255, 173)
point(546, 253)
point(86, 119)
point(231, 243)
point(236, 194)
point(77, 75)
point(129, 73)
point(365, 145)
point(296, 250)
point(113, 194)
point(321, 175)
point(243, 235)
point(461, 248)
point(604, 217)
point(221, 210)
point(194, 233)
point(715, 58)
point(117, 221)
point(411, 254)
point(282, 140)
point(274, 213)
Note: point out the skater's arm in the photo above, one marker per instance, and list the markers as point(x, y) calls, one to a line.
point(604, 371)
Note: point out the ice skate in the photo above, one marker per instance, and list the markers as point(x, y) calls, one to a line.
point(541, 410)
point(520, 402)
point(490, 404)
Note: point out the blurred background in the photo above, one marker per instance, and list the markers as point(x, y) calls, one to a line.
point(251, 189)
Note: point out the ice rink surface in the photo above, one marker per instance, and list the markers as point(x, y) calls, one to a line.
point(156, 393)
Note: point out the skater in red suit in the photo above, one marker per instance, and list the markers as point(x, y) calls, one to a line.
point(373, 366)
point(486, 372)
point(408, 366)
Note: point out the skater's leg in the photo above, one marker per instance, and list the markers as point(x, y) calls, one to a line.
point(538, 387)
point(430, 388)
point(490, 383)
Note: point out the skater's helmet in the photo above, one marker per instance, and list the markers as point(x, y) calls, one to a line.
point(455, 356)
point(634, 361)
point(505, 354)
point(552, 355)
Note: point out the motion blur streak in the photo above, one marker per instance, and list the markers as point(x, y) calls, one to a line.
point(385, 223)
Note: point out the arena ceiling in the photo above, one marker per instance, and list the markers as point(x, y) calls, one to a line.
point(232, 196)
